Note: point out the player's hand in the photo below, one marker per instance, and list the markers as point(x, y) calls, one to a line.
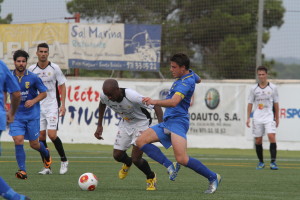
point(98, 133)
point(248, 123)
point(9, 117)
point(148, 101)
point(29, 103)
point(62, 111)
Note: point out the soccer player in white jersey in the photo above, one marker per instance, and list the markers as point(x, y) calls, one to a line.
point(135, 119)
point(53, 106)
point(263, 99)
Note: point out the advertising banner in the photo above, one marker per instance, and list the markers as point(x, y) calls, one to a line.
point(28, 36)
point(115, 47)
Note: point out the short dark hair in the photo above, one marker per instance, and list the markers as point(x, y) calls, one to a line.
point(262, 68)
point(43, 45)
point(181, 60)
point(20, 53)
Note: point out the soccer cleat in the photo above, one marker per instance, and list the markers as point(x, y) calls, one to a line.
point(173, 171)
point(260, 165)
point(273, 166)
point(151, 183)
point(21, 174)
point(123, 171)
point(63, 167)
point(45, 171)
point(213, 186)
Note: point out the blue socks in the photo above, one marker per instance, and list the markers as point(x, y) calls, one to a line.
point(21, 157)
point(7, 192)
point(43, 150)
point(198, 167)
point(155, 153)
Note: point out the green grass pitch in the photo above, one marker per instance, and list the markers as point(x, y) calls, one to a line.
point(237, 168)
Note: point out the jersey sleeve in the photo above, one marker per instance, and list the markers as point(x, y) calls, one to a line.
point(136, 98)
point(196, 76)
point(11, 84)
point(40, 85)
point(251, 96)
point(182, 89)
point(275, 95)
point(60, 77)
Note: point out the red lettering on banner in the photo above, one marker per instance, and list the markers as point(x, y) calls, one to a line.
point(282, 113)
point(74, 93)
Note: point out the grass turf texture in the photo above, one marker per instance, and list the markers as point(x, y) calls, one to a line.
point(237, 167)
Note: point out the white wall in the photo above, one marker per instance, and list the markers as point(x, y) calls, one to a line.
point(221, 127)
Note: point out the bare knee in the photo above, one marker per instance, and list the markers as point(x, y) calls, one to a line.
point(140, 141)
point(35, 145)
point(258, 140)
point(183, 160)
point(118, 155)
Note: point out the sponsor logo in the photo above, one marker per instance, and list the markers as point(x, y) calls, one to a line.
point(163, 94)
point(212, 98)
point(27, 85)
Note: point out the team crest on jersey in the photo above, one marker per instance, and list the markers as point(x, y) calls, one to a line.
point(49, 73)
point(27, 85)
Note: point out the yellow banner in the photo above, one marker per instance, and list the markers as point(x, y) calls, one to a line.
point(28, 36)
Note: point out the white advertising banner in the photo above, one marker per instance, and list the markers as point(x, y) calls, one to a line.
point(217, 114)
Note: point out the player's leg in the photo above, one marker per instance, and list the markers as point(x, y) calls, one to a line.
point(271, 130)
point(17, 130)
point(43, 133)
point(149, 136)
point(144, 166)
point(258, 131)
point(52, 126)
point(180, 151)
point(8, 193)
point(122, 143)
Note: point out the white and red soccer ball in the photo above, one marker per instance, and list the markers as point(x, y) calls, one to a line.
point(88, 181)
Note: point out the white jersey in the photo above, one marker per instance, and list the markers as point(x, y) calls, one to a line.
point(132, 110)
point(51, 76)
point(263, 100)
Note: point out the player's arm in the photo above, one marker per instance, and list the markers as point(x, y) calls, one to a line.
point(159, 113)
point(249, 110)
point(99, 130)
point(176, 98)
point(63, 90)
point(196, 76)
point(15, 99)
point(276, 110)
point(38, 98)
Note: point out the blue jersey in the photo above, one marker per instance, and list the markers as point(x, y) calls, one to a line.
point(7, 83)
point(30, 85)
point(183, 87)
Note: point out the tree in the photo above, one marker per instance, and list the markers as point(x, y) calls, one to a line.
point(7, 19)
point(220, 35)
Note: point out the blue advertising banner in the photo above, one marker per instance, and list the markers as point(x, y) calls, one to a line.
point(115, 47)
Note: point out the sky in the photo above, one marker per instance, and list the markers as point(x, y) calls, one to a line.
point(284, 42)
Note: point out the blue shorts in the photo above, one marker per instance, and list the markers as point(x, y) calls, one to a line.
point(179, 126)
point(29, 128)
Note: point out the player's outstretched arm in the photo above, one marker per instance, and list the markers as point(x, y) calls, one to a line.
point(249, 110)
point(99, 130)
point(164, 103)
point(276, 109)
point(159, 113)
point(62, 109)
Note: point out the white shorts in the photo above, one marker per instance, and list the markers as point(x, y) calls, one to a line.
point(49, 120)
point(124, 140)
point(260, 129)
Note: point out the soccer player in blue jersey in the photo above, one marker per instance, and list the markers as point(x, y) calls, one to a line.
point(27, 120)
point(173, 130)
point(8, 83)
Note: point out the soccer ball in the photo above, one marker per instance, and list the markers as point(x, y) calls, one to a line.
point(88, 181)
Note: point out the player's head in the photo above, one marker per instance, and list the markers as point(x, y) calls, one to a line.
point(42, 52)
point(262, 73)
point(180, 63)
point(111, 90)
point(20, 60)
